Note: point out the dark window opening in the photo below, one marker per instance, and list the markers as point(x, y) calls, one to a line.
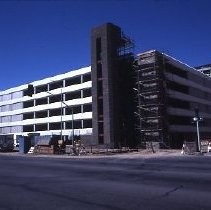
point(55, 126)
point(87, 77)
point(87, 107)
point(177, 87)
point(28, 115)
point(179, 120)
point(74, 109)
point(99, 70)
point(41, 88)
point(101, 139)
point(87, 123)
point(54, 112)
point(98, 48)
point(27, 104)
point(41, 114)
point(41, 101)
point(100, 106)
point(100, 118)
point(99, 88)
point(41, 127)
point(100, 127)
point(55, 85)
point(28, 128)
point(69, 125)
point(177, 103)
point(87, 93)
point(55, 98)
point(73, 95)
point(175, 70)
point(69, 110)
point(73, 81)
point(76, 124)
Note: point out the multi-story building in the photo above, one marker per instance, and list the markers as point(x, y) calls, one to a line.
point(168, 92)
point(121, 100)
point(60, 105)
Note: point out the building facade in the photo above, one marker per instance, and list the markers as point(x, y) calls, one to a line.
point(60, 105)
point(112, 83)
point(121, 100)
point(168, 92)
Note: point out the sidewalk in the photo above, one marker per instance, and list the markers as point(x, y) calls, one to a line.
point(139, 154)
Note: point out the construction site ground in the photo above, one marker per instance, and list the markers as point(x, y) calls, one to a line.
point(140, 154)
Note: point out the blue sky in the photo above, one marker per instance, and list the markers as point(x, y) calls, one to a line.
point(39, 38)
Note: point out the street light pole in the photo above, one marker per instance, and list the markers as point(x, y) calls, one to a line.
point(197, 119)
point(198, 135)
point(72, 127)
point(61, 113)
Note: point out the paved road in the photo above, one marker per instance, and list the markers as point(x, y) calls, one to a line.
point(116, 183)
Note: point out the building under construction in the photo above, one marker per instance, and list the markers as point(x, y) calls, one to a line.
point(122, 100)
point(167, 94)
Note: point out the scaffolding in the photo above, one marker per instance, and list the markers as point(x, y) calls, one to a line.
point(150, 97)
point(126, 46)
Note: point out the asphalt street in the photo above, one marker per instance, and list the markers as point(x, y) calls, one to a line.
point(99, 183)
